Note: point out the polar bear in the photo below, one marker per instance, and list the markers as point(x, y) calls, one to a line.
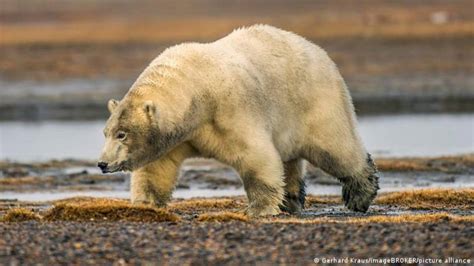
point(261, 100)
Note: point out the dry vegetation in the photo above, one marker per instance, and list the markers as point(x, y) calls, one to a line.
point(231, 209)
point(116, 39)
point(119, 212)
point(212, 28)
point(430, 198)
point(207, 204)
point(224, 216)
point(312, 200)
point(107, 210)
point(463, 163)
point(20, 215)
point(165, 21)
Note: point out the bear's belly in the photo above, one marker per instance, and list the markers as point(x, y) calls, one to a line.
point(288, 142)
point(227, 145)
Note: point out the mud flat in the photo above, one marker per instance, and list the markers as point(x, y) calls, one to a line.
point(58, 179)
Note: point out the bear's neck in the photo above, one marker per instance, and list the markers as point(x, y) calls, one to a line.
point(178, 105)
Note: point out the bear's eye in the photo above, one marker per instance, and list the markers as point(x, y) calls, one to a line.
point(121, 135)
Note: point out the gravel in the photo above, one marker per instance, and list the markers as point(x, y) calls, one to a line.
point(232, 243)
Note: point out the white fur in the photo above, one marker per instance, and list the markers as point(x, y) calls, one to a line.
point(262, 96)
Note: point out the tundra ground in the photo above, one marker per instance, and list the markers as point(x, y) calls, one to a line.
point(215, 232)
point(409, 223)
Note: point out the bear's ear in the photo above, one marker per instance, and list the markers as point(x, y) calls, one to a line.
point(150, 109)
point(112, 104)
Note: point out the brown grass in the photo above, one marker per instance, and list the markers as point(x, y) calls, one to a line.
point(225, 209)
point(205, 204)
point(107, 210)
point(210, 29)
point(84, 199)
point(20, 215)
point(442, 164)
point(218, 210)
point(224, 216)
point(195, 20)
point(430, 198)
point(69, 39)
point(312, 199)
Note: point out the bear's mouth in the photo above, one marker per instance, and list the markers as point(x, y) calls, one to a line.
point(123, 166)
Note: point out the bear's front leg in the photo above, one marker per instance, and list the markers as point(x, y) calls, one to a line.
point(151, 186)
point(264, 197)
point(154, 183)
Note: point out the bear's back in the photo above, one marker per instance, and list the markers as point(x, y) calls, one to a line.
point(266, 34)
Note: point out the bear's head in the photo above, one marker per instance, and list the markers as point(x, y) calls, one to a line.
point(131, 136)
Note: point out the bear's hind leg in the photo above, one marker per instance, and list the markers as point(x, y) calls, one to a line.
point(359, 183)
point(294, 187)
point(254, 157)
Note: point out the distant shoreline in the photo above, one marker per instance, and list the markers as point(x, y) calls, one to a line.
point(31, 109)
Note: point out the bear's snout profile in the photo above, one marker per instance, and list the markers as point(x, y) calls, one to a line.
point(102, 166)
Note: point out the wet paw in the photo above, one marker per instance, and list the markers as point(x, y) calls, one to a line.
point(292, 205)
point(359, 194)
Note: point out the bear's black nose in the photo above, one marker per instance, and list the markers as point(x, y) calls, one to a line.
point(102, 165)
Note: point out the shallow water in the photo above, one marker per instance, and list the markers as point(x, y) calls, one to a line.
point(418, 135)
point(388, 135)
point(194, 191)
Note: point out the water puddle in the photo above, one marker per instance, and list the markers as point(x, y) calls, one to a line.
point(195, 191)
